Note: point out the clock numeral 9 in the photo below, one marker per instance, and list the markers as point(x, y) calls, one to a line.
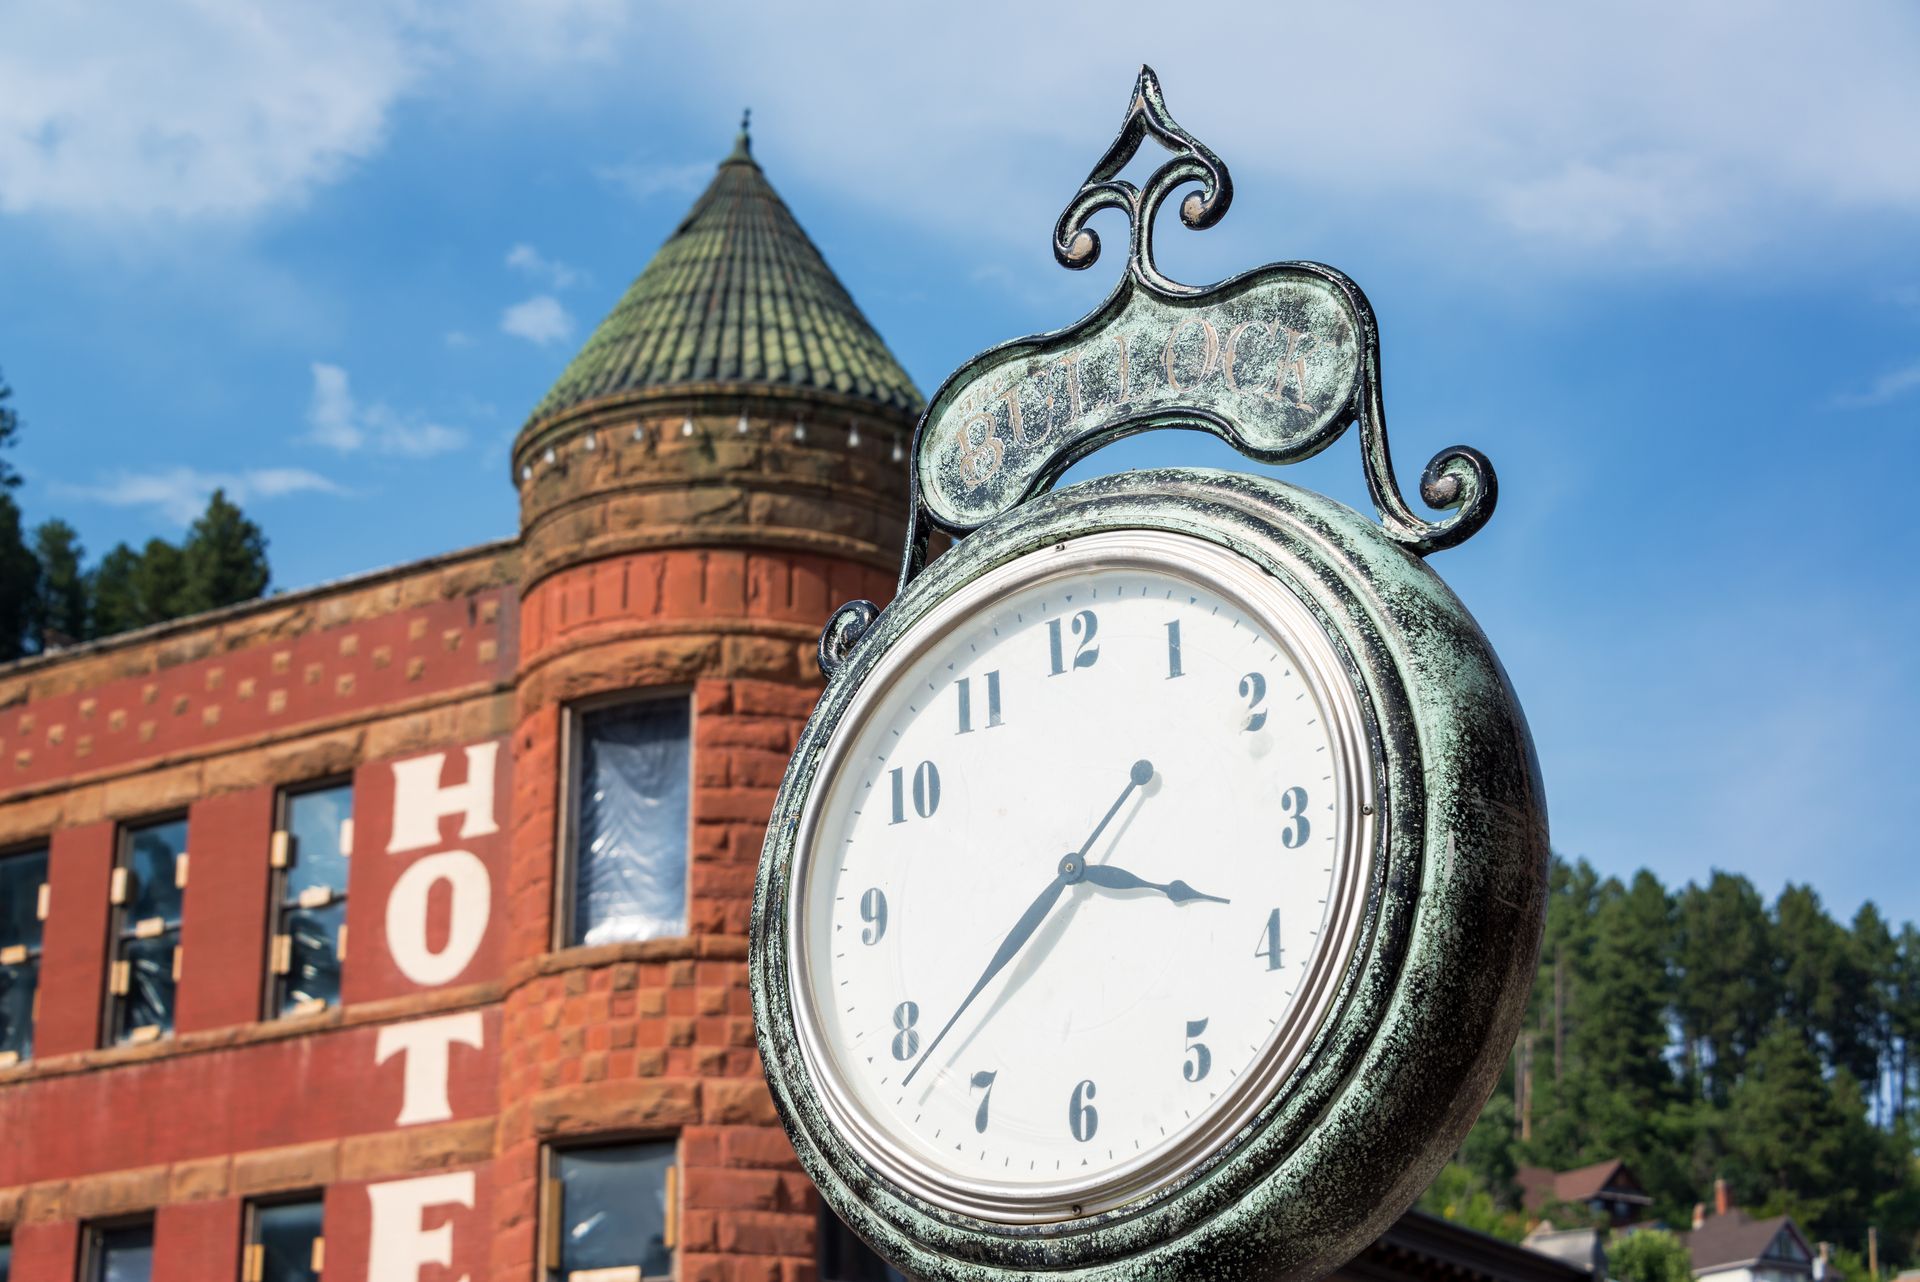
point(1294, 802)
point(906, 1042)
point(1200, 1059)
point(1253, 688)
point(983, 1081)
point(1083, 1119)
point(1086, 654)
point(926, 791)
point(964, 689)
point(873, 911)
point(1270, 941)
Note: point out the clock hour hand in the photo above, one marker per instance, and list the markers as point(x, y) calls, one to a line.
point(1072, 868)
point(1111, 878)
point(1015, 940)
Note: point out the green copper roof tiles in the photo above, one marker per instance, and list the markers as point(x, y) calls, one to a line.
point(738, 294)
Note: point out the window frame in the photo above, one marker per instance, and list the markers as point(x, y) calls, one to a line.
point(30, 954)
point(252, 1248)
point(279, 905)
point(121, 930)
point(93, 1247)
point(551, 1206)
point(573, 722)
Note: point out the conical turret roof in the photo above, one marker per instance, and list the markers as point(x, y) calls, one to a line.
point(737, 294)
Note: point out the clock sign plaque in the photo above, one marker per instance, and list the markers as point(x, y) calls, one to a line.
point(1156, 890)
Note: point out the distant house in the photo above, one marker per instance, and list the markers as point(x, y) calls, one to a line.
point(1732, 1246)
point(1609, 1189)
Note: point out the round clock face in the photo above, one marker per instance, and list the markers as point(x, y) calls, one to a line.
point(1086, 861)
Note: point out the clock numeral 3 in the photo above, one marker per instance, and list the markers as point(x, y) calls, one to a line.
point(926, 791)
point(1086, 654)
point(1294, 802)
point(983, 1081)
point(1270, 941)
point(1253, 688)
point(1173, 650)
point(1199, 1058)
point(906, 1042)
point(873, 911)
point(964, 687)
point(1083, 1119)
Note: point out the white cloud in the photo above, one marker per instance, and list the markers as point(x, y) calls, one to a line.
point(643, 180)
point(458, 338)
point(194, 108)
point(341, 423)
point(180, 493)
point(1890, 386)
point(540, 320)
point(529, 261)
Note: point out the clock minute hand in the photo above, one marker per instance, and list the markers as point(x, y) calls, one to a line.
point(1072, 868)
point(1111, 878)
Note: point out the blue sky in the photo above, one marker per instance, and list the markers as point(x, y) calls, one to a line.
point(1659, 262)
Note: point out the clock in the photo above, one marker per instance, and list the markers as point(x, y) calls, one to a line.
point(1156, 889)
point(1093, 850)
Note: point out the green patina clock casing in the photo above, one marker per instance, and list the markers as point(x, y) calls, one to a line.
point(1426, 1008)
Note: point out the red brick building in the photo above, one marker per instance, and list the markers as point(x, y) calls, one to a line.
point(395, 930)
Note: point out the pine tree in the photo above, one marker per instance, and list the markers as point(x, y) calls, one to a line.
point(9, 433)
point(159, 582)
point(1726, 994)
point(19, 582)
point(224, 560)
point(61, 606)
point(113, 596)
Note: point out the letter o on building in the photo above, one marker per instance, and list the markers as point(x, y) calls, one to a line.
point(472, 890)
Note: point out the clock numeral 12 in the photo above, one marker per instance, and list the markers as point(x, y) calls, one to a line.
point(983, 1081)
point(1083, 1119)
point(1270, 941)
point(906, 1042)
point(1086, 654)
point(926, 791)
point(964, 686)
point(1173, 650)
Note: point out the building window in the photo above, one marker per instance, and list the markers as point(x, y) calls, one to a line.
point(149, 884)
point(612, 1213)
point(23, 909)
point(120, 1253)
point(284, 1242)
point(843, 1257)
point(6, 1260)
point(632, 763)
point(311, 842)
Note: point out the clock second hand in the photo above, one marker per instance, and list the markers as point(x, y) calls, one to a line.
point(1072, 868)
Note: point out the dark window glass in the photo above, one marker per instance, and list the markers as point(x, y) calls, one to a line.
point(285, 1233)
point(146, 931)
point(310, 898)
point(845, 1258)
point(613, 1208)
point(123, 1254)
point(22, 878)
point(630, 822)
point(6, 1261)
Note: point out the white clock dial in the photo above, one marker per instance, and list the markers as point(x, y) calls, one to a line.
point(1087, 860)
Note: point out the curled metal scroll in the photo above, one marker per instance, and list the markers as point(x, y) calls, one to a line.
point(1077, 246)
point(843, 632)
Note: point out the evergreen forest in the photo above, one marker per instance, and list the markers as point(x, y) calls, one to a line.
point(1704, 1033)
point(50, 597)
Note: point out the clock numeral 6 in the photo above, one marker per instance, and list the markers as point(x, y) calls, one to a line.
point(1270, 941)
point(1083, 1119)
point(1086, 654)
point(1199, 1058)
point(1253, 688)
point(1294, 802)
point(906, 1042)
point(873, 911)
point(964, 688)
point(926, 791)
point(983, 1081)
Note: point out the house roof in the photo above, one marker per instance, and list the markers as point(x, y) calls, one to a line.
point(1613, 1178)
point(1735, 1239)
point(737, 294)
point(1431, 1249)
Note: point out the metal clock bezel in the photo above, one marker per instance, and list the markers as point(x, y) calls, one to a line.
point(1320, 661)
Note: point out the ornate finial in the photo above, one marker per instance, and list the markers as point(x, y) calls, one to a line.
point(1077, 246)
point(743, 144)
